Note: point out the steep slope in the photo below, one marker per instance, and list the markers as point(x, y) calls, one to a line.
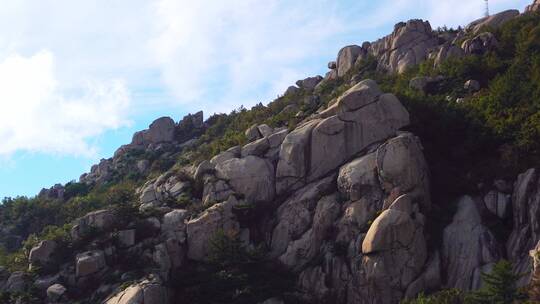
point(323, 196)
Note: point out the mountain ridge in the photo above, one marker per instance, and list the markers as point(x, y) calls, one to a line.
point(336, 192)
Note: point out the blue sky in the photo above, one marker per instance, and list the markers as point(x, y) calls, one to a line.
point(78, 78)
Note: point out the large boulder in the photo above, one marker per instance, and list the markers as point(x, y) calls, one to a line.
point(42, 254)
point(252, 133)
point(360, 118)
point(468, 247)
point(394, 252)
point(359, 179)
point(18, 281)
point(301, 251)
point(202, 229)
point(309, 83)
point(144, 292)
point(292, 164)
point(56, 292)
point(402, 168)
point(160, 130)
point(174, 224)
point(295, 215)
point(480, 44)
point(534, 7)
point(251, 176)
point(101, 220)
point(346, 58)
point(492, 22)
point(526, 231)
point(192, 120)
point(448, 51)
point(337, 138)
point(90, 262)
point(409, 44)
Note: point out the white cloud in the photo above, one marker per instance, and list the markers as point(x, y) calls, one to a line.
point(38, 116)
point(221, 54)
point(173, 54)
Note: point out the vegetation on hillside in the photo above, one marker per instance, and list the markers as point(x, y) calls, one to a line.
point(493, 133)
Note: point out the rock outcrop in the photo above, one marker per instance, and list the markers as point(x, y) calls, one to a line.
point(469, 248)
point(409, 44)
point(360, 118)
point(526, 231)
point(148, 291)
point(492, 22)
point(534, 7)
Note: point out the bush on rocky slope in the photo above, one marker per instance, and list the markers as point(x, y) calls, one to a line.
point(468, 138)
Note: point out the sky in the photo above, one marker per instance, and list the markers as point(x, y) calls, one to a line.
point(78, 78)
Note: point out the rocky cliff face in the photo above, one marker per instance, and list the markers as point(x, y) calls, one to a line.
point(341, 200)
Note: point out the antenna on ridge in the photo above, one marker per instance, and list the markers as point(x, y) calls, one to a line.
point(487, 8)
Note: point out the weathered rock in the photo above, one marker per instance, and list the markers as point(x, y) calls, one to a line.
point(256, 148)
point(467, 246)
point(394, 253)
point(174, 224)
point(534, 292)
point(252, 133)
point(291, 90)
point(44, 282)
point(161, 130)
point(42, 254)
point(55, 192)
point(192, 120)
point(17, 282)
point(150, 195)
point(302, 251)
point(143, 165)
point(309, 83)
point(126, 238)
point(216, 191)
point(89, 262)
point(144, 292)
point(205, 167)
point(101, 220)
point(273, 301)
point(56, 292)
point(498, 203)
point(265, 130)
point(294, 216)
point(251, 176)
point(292, 165)
point(409, 44)
point(534, 7)
point(169, 255)
point(358, 119)
point(357, 178)
point(492, 22)
point(526, 228)
point(346, 58)
point(448, 51)
point(234, 152)
point(429, 280)
point(424, 83)
point(202, 229)
point(403, 169)
point(332, 65)
point(472, 85)
point(480, 44)
point(99, 173)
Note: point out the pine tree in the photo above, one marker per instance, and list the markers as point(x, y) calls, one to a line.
point(499, 286)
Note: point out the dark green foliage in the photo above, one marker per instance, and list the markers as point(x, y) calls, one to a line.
point(499, 286)
point(234, 275)
point(449, 296)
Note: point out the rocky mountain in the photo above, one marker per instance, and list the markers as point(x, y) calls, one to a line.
point(399, 173)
